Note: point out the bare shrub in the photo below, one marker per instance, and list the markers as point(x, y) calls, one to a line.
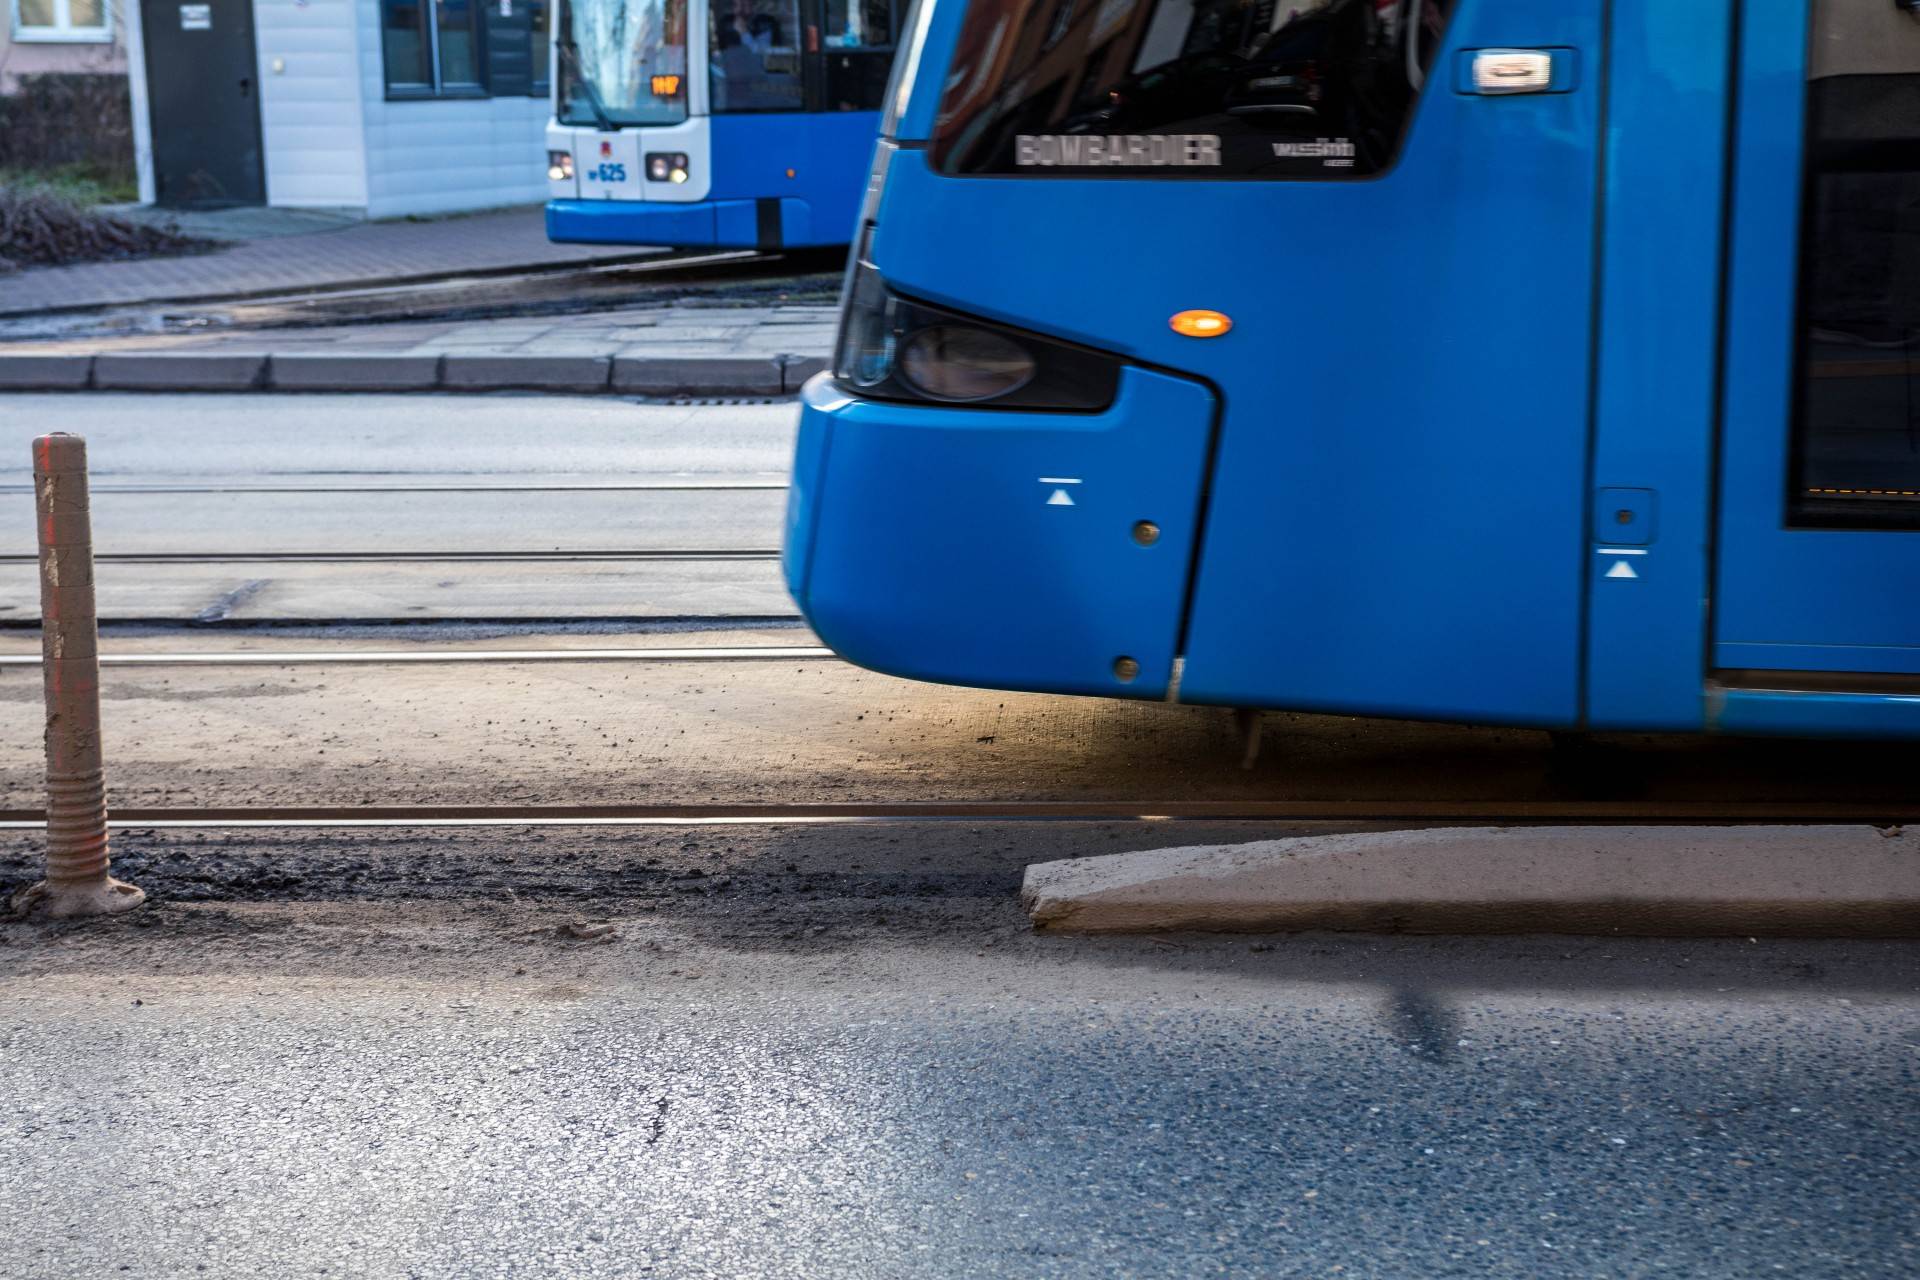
point(40, 228)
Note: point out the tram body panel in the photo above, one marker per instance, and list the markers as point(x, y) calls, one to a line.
point(1655, 387)
point(999, 548)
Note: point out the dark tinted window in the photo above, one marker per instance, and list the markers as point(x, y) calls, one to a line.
point(1185, 88)
point(754, 55)
point(1857, 445)
point(856, 54)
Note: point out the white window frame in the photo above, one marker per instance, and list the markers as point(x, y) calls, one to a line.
point(63, 31)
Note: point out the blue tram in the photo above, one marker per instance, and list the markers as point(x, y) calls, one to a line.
point(732, 123)
point(1482, 360)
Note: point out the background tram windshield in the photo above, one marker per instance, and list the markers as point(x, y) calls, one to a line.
point(1278, 88)
point(1858, 444)
point(622, 62)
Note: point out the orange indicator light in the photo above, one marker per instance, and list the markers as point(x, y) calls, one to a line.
point(1200, 324)
point(789, 173)
point(666, 86)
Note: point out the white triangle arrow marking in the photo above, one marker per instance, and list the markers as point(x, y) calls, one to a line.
point(1060, 499)
point(1621, 569)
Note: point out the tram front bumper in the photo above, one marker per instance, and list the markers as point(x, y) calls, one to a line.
point(722, 224)
point(1003, 548)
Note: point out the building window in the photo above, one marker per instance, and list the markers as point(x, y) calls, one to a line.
point(431, 47)
point(541, 51)
point(62, 22)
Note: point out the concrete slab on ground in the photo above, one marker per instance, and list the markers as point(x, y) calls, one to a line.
point(1683, 881)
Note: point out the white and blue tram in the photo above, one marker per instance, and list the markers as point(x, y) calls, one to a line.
point(735, 123)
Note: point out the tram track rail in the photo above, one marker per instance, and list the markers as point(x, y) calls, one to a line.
point(448, 657)
point(608, 486)
point(1479, 812)
point(412, 557)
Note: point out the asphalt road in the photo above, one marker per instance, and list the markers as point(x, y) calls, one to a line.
point(835, 1052)
point(211, 483)
point(827, 1051)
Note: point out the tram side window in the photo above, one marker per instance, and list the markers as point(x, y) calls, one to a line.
point(755, 56)
point(1320, 89)
point(856, 49)
point(1857, 437)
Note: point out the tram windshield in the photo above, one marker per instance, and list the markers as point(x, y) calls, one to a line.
point(622, 62)
point(1185, 88)
point(1858, 442)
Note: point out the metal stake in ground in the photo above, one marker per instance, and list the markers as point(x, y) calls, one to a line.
point(77, 882)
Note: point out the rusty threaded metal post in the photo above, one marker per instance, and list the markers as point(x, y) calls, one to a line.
point(77, 882)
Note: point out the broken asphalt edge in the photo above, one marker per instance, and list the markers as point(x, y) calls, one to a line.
point(1800, 881)
point(347, 371)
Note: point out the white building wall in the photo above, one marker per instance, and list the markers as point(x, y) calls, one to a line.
point(311, 113)
point(449, 154)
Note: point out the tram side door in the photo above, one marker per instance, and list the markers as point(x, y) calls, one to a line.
point(1817, 561)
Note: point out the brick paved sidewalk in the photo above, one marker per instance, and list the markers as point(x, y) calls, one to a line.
point(330, 255)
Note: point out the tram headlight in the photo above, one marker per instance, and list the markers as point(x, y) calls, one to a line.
point(955, 362)
point(893, 348)
point(668, 166)
point(865, 354)
point(560, 166)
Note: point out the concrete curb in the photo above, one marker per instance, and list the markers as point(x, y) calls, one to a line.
point(1650, 881)
point(385, 371)
point(174, 371)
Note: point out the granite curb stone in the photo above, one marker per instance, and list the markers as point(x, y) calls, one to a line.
point(795, 370)
point(709, 375)
point(179, 371)
point(45, 372)
point(525, 373)
point(330, 371)
point(389, 371)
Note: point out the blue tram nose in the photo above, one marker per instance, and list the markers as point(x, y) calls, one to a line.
point(1018, 550)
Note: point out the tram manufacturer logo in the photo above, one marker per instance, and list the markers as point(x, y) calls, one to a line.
point(1129, 150)
point(1333, 153)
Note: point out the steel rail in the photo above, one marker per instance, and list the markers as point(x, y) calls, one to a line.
point(637, 486)
point(388, 657)
point(1502, 812)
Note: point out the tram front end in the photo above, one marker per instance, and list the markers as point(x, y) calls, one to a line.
point(1266, 356)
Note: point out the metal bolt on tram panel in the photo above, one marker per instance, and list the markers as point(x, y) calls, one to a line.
point(77, 883)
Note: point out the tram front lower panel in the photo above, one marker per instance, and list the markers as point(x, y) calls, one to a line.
point(1001, 547)
point(760, 180)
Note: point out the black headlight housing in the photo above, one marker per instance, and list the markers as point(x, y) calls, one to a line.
point(893, 348)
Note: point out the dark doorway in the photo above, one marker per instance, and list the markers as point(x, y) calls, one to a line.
point(203, 94)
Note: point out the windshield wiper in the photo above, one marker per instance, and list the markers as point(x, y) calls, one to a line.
point(599, 109)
